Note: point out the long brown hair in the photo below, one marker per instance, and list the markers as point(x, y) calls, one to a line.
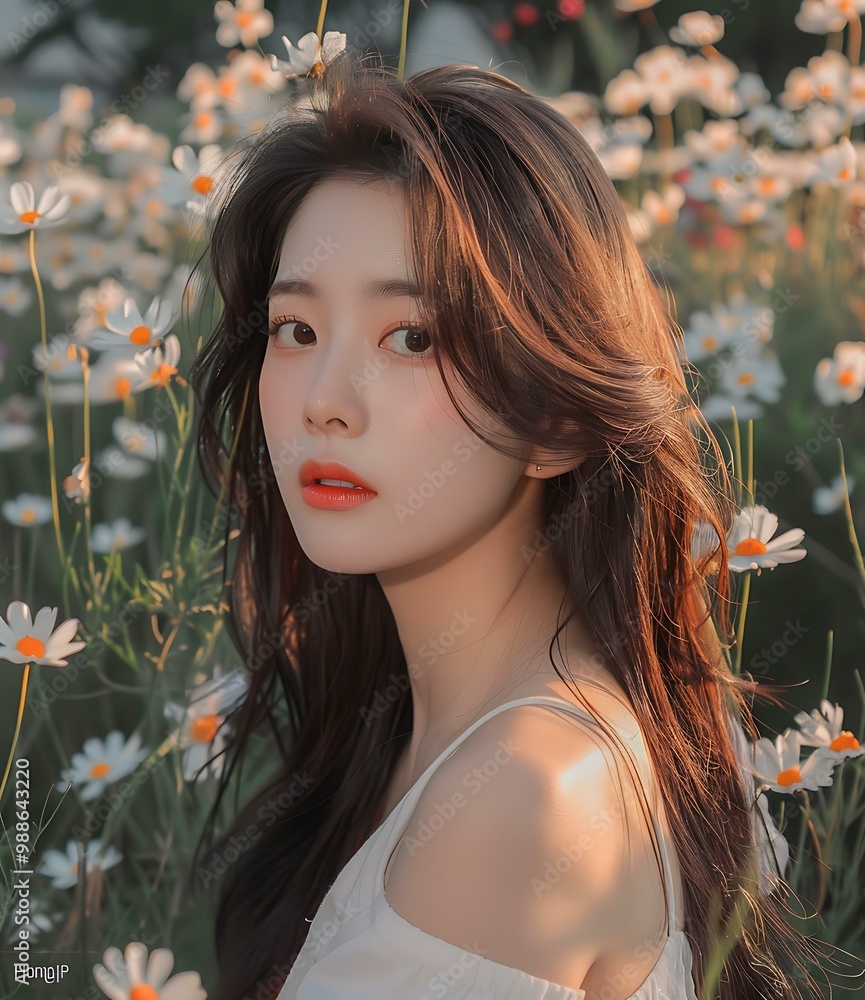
point(539, 304)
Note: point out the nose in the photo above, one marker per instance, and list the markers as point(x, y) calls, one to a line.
point(332, 403)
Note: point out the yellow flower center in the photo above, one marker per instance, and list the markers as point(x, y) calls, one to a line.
point(28, 217)
point(845, 741)
point(99, 770)
point(29, 645)
point(750, 547)
point(789, 777)
point(143, 992)
point(204, 729)
point(202, 185)
point(140, 335)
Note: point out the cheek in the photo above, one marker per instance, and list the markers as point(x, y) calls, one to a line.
point(278, 411)
point(442, 456)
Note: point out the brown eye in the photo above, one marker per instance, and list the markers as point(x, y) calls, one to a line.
point(413, 341)
point(291, 332)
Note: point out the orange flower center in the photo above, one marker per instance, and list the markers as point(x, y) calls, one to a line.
point(750, 547)
point(99, 770)
point(204, 729)
point(28, 217)
point(243, 19)
point(745, 378)
point(29, 645)
point(140, 335)
point(227, 87)
point(202, 119)
point(846, 377)
point(122, 387)
point(845, 741)
point(202, 185)
point(143, 992)
point(709, 343)
point(789, 777)
point(162, 374)
point(28, 516)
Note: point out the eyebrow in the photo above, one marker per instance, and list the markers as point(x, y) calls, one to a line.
point(390, 288)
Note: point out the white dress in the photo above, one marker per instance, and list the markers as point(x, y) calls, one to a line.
point(358, 948)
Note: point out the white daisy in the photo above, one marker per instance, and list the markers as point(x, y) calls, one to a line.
point(15, 435)
point(773, 851)
point(129, 329)
point(102, 763)
point(156, 366)
point(823, 729)
point(698, 28)
point(25, 214)
point(132, 975)
point(62, 868)
point(114, 461)
point(118, 535)
point(139, 439)
point(14, 297)
point(817, 19)
point(777, 765)
point(841, 378)
point(309, 57)
point(719, 407)
point(26, 641)
point(749, 543)
point(754, 373)
point(77, 486)
point(27, 510)
point(201, 736)
point(246, 22)
point(827, 499)
point(837, 164)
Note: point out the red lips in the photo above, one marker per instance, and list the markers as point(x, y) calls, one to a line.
point(311, 470)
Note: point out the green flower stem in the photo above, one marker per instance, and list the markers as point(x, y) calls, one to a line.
point(43, 326)
point(403, 40)
point(851, 527)
point(321, 13)
point(829, 644)
point(737, 453)
point(88, 514)
point(21, 702)
point(740, 625)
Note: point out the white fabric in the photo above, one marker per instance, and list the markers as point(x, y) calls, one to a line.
point(359, 948)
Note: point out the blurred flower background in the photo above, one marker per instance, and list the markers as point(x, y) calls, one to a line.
point(736, 139)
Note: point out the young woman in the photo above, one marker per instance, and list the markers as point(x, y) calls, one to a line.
point(448, 409)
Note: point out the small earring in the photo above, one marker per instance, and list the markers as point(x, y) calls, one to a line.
point(538, 468)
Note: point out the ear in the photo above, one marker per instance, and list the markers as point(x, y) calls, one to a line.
point(550, 461)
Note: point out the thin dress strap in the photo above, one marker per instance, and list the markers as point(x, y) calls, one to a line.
point(406, 806)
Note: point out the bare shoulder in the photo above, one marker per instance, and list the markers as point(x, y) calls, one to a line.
point(529, 846)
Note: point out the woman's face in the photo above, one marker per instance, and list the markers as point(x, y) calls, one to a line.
point(347, 377)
